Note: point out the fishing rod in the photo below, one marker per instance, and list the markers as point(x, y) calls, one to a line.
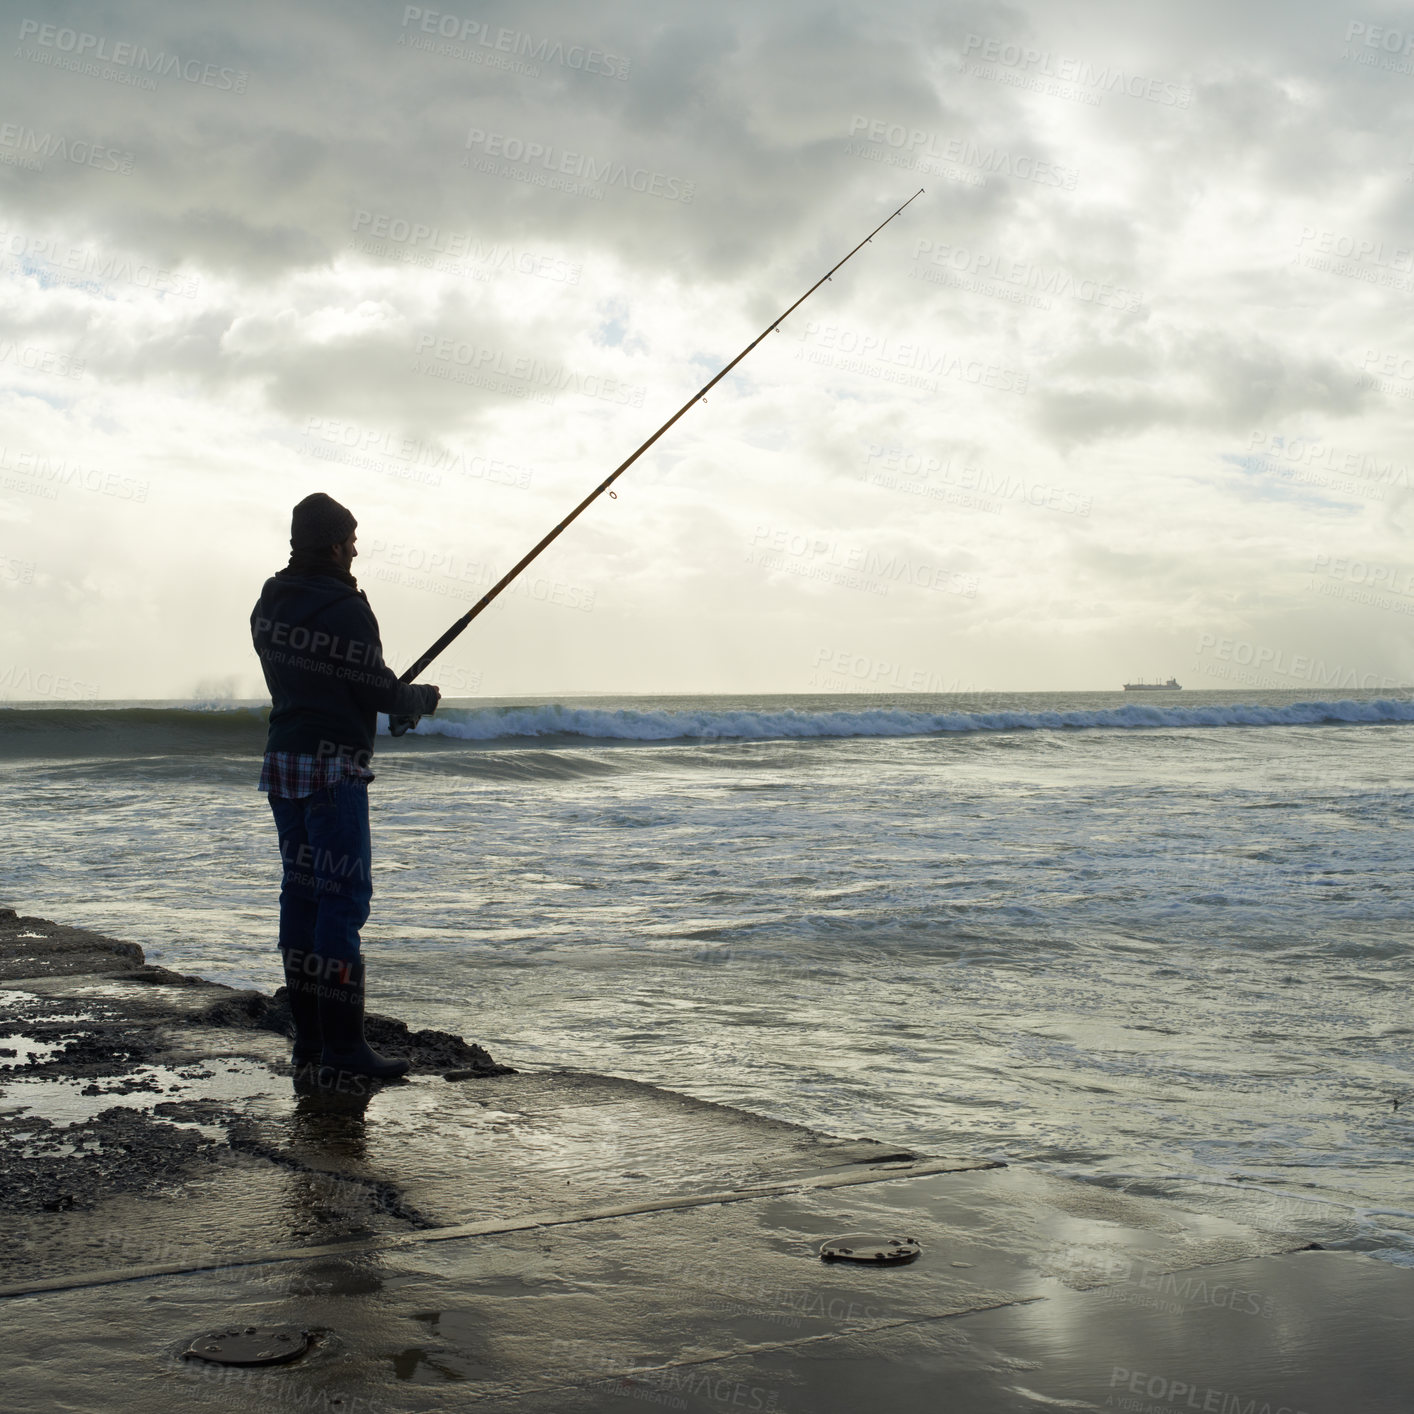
point(398, 725)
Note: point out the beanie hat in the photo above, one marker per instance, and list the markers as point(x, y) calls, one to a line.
point(320, 522)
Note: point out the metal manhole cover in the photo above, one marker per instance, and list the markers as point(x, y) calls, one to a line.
point(251, 1345)
point(870, 1247)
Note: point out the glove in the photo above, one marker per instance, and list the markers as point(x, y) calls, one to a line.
point(431, 696)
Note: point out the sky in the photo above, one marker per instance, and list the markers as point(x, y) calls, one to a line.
point(1126, 392)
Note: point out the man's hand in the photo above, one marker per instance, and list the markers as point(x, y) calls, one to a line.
point(431, 696)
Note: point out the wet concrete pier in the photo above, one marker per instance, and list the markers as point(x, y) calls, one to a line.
point(557, 1241)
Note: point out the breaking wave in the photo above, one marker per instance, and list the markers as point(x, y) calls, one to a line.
point(636, 724)
point(239, 729)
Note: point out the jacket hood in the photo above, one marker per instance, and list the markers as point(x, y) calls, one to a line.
point(311, 591)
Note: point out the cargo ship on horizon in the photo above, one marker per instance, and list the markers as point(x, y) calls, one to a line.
point(1172, 685)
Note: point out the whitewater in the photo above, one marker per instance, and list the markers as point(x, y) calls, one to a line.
point(790, 723)
point(1159, 945)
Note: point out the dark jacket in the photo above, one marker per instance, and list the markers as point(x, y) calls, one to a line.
point(318, 645)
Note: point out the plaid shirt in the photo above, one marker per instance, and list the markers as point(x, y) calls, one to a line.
point(296, 774)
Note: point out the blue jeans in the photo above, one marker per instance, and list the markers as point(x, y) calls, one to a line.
point(328, 860)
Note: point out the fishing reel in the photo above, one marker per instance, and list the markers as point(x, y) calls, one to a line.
point(401, 726)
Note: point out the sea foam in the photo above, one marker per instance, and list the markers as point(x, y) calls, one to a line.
point(634, 724)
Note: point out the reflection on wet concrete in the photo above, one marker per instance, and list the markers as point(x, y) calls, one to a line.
point(561, 1242)
point(724, 1306)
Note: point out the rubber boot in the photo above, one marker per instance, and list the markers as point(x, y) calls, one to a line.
point(303, 993)
point(341, 1021)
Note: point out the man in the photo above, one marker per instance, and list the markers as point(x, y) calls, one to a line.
point(323, 662)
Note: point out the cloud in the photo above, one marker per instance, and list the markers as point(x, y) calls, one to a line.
point(393, 251)
point(1206, 379)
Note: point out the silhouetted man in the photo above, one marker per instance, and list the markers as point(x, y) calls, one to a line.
point(323, 662)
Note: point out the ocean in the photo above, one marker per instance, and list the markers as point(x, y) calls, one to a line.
point(1159, 944)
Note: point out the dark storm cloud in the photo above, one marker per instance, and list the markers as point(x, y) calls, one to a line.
point(341, 110)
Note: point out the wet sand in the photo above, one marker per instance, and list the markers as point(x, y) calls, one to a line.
point(562, 1241)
